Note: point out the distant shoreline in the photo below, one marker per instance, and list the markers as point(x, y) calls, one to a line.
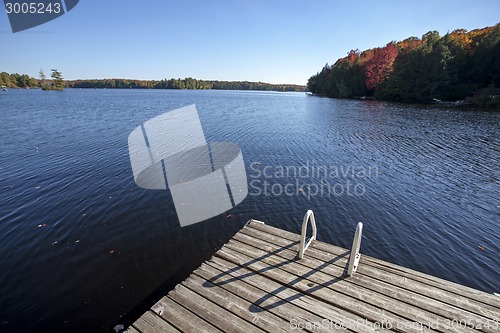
point(457, 68)
point(481, 99)
point(183, 84)
point(16, 80)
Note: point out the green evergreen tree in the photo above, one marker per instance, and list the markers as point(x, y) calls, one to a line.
point(58, 81)
point(43, 77)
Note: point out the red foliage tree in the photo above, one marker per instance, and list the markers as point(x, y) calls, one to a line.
point(380, 65)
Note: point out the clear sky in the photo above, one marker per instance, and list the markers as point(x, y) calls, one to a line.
point(262, 40)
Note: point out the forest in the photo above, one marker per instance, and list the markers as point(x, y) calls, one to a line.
point(461, 65)
point(186, 83)
point(18, 81)
point(24, 81)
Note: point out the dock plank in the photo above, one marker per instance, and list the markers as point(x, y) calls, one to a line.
point(409, 291)
point(259, 291)
point(131, 329)
point(433, 281)
point(283, 296)
point(415, 301)
point(256, 283)
point(181, 318)
point(150, 322)
point(238, 306)
point(378, 273)
point(213, 313)
point(362, 302)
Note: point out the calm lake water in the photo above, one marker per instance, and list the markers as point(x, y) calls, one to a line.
point(82, 245)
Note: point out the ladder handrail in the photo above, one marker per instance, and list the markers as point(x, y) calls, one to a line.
point(355, 255)
point(303, 246)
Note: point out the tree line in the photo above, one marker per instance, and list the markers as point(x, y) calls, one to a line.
point(24, 81)
point(453, 67)
point(186, 83)
point(16, 80)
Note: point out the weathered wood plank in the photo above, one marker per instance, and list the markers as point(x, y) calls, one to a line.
point(181, 318)
point(412, 292)
point(250, 289)
point(233, 303)
point(210, 311)
point(399, 270)
point(286, 296)
point(150, 322)
point(306, 280)
point(299, 288)
point(131, 329)
point(255, 283)
point(418, 312)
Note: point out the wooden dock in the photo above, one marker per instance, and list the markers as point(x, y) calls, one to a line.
point(256, 283)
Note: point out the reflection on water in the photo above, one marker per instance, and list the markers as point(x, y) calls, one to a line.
point(82, 245)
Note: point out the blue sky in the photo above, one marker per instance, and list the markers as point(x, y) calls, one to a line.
point(262, 40)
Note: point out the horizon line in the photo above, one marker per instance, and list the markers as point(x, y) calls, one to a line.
point(187, 77)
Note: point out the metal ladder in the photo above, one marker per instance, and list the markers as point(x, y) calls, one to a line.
point(356, 243)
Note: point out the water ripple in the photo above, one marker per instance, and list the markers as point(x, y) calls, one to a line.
point(82, 244)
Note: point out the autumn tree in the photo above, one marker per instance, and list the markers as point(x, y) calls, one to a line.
point(379, 66)
point(450, 67)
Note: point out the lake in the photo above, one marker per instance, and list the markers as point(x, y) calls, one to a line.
point(82, 246)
